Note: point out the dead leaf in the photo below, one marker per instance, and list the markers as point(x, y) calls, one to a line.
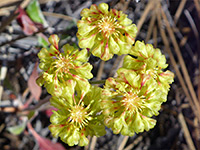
point(34, 88)
point(28, 26)
point(45, 144)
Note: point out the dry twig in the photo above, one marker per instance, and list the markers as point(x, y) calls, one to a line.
point(182, 63)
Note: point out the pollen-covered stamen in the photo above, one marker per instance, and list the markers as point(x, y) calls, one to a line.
point(132, 103)
point(62, 64)
point(107, 26)
point(79, 116)
point(153, 72)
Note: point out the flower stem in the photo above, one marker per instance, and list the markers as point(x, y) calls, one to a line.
point(97, 82)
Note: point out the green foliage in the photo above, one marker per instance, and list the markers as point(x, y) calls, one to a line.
point(35, 13)
point(42, 42)
point(18, 129)
point(126, 103)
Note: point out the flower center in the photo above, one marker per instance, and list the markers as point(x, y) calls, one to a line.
point(79, 116)
point(62, 65)
point(132, 103)
point(107, 26)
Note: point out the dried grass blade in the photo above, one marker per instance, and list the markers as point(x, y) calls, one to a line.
point(123, 143)
point(57, 15)
point(151, 26)
point(191, 21)
point(182, 63)
point(100, 71)
point(120, 64)
point(178, 73)
point(155, 34)
point(93, 143)
point(149, 6)
point(115, 65)
point(136, 141)
point(186, 132)
point(8, 2)
point(199, 83)
point(7, 21)
point(179, 11)
point(197, 5)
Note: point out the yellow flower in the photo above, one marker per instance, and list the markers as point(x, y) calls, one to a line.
point(105, 32)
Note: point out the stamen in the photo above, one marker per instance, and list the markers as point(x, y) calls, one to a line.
point(79, 116)
point(107, 25)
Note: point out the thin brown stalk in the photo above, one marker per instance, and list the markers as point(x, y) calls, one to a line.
point(5, 11)
point(186, 132)
point(146, 12)
point(151, 26)
point(13, 15)
point(179, 10)
point(38, 105)
point(199, 83)
point(183, 41)
point(6, 7)
point(21, 37)
point(87, 146)
point(184, 127)
point(126, 5)
point(191, 21)
point(174, 64)
point(197, 5)
point(57, 15)
point(100, 71)
point(2, 126)
point(123, 143)
point(136, 141)
point(197, 129)
point(155, 34)
point(7, 21)
point(25, 3)
point(182, 63)
point(8, 2)
point(99, 75)
point(113, 69)
point(93, 143)
point(120, 64)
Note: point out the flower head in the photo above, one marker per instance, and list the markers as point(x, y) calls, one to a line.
point(136, 94)
point(128, 110)
point(149, 64)
point(105, 32)
point(73, 122)
point(62, 71)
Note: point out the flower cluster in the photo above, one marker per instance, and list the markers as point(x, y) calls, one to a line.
point(61, 69)
point(126, 103)
point(74, 122)
point(105, 32)
point(136, 94)
point(65, 76)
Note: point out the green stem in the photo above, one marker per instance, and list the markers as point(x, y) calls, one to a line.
point(97, 82)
